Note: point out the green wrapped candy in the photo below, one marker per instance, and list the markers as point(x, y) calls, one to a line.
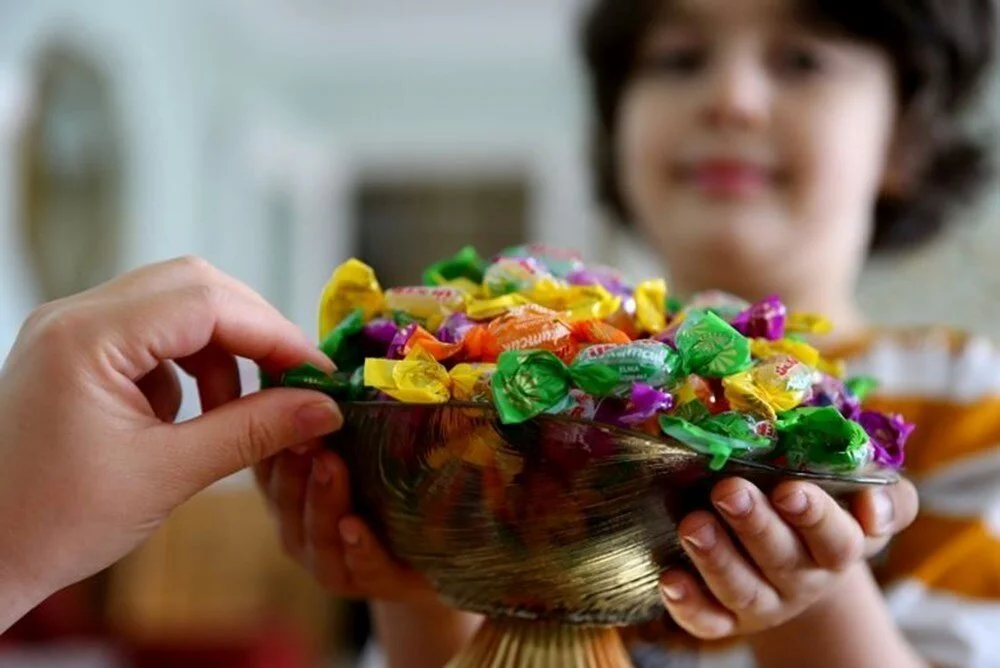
point(822, 439)
point(343, 343)
point(693, 411)
point(527, 383)
point(717, 446)
point(861, 386)
point(711, 347)
point(646, 361)
point(758, 435)
point(465, 264)
point(308, 376)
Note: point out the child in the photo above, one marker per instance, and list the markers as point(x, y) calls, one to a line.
point(760, 147)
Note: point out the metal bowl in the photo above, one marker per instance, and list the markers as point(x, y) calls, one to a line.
point(554, 519)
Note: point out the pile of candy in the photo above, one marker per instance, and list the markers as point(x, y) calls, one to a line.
point(534, 331)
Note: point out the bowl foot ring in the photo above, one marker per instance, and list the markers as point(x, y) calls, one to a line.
point(529, 644)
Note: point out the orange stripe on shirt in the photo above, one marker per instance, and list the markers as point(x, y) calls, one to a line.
point(946, 431)
point(954, 555)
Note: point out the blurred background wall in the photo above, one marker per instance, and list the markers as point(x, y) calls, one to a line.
point(277, 138)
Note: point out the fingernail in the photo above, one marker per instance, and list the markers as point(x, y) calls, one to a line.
point(350, 534)
point(884, 511)
point(737, 504)
point(674, 591)
point(322, 470)
point(795, 503)
point(319, 417)
point(702, 539)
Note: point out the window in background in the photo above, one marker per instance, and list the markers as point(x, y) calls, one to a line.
point(405, 225)
point(71, 174)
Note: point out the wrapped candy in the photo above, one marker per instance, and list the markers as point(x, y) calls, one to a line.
point(598, 332)
point(471, 381)
point(557, 261)
point(763, 320)
point(645, 361)
point(488, 308)
point(861, 386)
point(527, 383)
point(823, 439)
point(723, 304)
point(341, 342)
point(352, 286)
point(417, 379)
point(381, 332)
point(610, 279)
point(803, 352)
point(397, 347)
point(830, 391)
point(712, 436)
point(454, 328)
point(513, 274)
point(888, 434)
point(428, 305)
point(529, 327)
point(807, 323)
point(465, 267)
point(644, 403)
point(650, 304)
point(578, 302)
point(710, 347)
point(778, 384)
point(696, 393)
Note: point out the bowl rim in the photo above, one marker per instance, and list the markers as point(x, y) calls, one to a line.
point(871, 477)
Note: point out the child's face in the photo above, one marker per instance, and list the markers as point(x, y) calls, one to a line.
point(752, 148)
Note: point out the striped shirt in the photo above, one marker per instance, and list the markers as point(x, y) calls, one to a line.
point(941, 576)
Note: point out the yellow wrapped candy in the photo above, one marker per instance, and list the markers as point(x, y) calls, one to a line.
point(494, 307)
point(470, 382)
point(578, 302)
point(417, 379)
point(803, 352)
point(428, 304)
point(353, 285)
point(650, 299)
point(471, 289)
point(807, 323)
point(778, 384)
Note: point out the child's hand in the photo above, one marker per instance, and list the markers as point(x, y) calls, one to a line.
point(792, 551)
point(310, 496)
point(91, 459)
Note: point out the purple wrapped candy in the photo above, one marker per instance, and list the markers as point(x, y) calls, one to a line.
point(610, 279)
point(644, 403)
point(398, 343)
point(381, 331)
point(829, 391)
point(668, 336)
point(888, 434)
point(763, 320)
point(454, 328)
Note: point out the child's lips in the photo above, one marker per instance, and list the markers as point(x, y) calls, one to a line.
point(727, 178)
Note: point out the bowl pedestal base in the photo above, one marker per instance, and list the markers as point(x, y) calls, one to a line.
point(528, 644)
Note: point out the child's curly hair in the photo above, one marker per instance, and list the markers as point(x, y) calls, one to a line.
point(941, 50)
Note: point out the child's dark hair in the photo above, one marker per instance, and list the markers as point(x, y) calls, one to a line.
point(940, 48)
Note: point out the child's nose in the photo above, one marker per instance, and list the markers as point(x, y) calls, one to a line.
point(738, 96)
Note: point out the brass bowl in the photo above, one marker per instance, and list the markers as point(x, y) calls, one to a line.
point(555, 519)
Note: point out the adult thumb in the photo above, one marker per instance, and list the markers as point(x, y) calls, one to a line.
point(246, 431)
